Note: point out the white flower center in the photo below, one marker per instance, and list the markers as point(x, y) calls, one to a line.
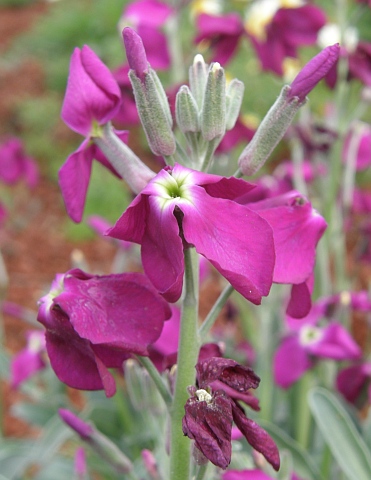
point(309, 335)
point(203, 396)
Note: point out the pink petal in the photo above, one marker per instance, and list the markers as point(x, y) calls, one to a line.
point(113, 310)
point(257, 437)
point(237, 241)
point(74, 177)
point(290, 362)
point(149, 12)
point(336, 343)
point(351, 380)
point(245, 475)
point(300, 301)
point(297, 228)
point(92, 93)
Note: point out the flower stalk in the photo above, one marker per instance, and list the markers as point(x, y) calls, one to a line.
point(189, 345)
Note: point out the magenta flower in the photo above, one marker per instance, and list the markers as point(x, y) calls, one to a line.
point(182, 207)
point(128, 113)
point(297, 228)
point(357, 144)
point(209, 414)
point(92, 99)
point(28, 361)
point(359, 63)
point(222, 31)
point(354, 381)
point(148, 18)
point(306, 340)
point(96, 322)
point(16, 165)
point(276, 33)
point(80, 467)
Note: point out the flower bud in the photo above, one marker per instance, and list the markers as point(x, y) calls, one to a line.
point(214, 105)
point(73, 421)
point(234, 96)
point(198, 78)
point(135, 52)
point(186, 111)
point(154, 112)
point(101, 444)
point(316, 69)
point(270, 132)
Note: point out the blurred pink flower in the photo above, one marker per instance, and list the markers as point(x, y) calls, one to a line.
point(147, 18)
point(30, 360)
point(16, 165)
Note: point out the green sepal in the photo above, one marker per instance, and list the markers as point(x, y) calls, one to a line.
point(186, 111)
point(197, 79)
point(213, 115)
point(154, 112)
point(270, 131)
point(234, 98)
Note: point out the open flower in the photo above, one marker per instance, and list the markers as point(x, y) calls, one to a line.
point(92, 99)
point(222, 31)
point(306, 340)
point(148, 17)
point(276, 31)
point(95, 322)
point(16, 165)
point(182, 207)
point(297, 227)
point(29, 360)
point(354, 381)
point(209, 414)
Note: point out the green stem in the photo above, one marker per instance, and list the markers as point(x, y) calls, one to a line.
point(202, 471)
point(214, 312)
point(189, 345)
point(123, 159)
point(157, 379)
point(302, 413)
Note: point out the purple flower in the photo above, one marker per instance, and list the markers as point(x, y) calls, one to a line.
point(92, 96)
point(182, 207)
point(95, 322)
point(297, 228)
point(29, 360)
point(222, 31)
point(276, 33)
point(16, 165)
point(128, 113)
point(307, 340)
point(92, 99)
point(148, 17)
point(209, 414)
point(353, 381)
point(80, 467)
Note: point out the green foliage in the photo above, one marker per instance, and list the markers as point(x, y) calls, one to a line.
point(345, 442)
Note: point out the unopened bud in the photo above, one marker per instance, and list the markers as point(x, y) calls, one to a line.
point(214, 104)
point(101, 444)
point(198, 78)
point(269, 133)
point(186, 111)
point(135, 52)
point(234, 98)
point(316, 69)
point(154, 112)
point(73, 421)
